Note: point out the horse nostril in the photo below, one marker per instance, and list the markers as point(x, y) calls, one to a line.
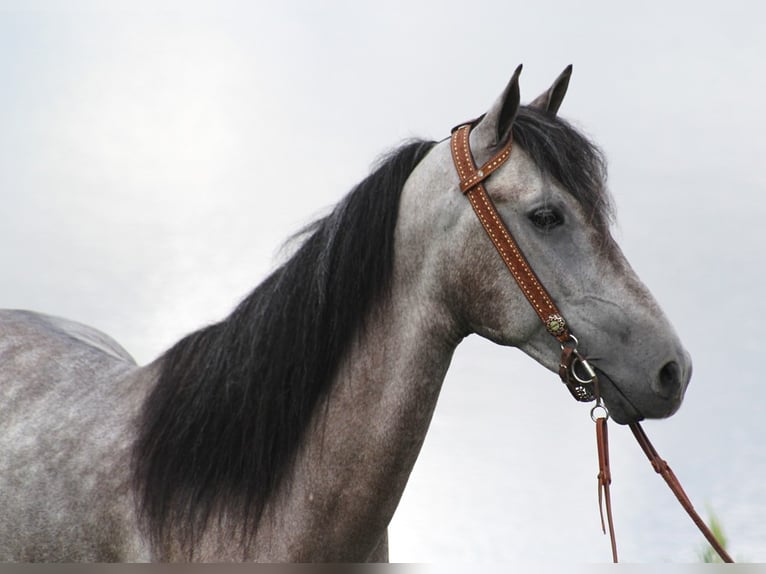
point(669, 380)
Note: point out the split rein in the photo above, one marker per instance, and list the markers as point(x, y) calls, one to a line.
point(574, 369)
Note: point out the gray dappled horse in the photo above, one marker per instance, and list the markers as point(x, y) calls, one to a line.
point(288, 430)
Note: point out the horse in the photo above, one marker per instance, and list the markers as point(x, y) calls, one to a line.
point(287, 430)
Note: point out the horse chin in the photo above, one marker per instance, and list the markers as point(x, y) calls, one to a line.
point(621, 409)
point(625, 408)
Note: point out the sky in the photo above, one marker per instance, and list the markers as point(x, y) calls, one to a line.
point(154, 156)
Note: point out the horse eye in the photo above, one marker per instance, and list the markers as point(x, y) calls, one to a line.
point(546, 218)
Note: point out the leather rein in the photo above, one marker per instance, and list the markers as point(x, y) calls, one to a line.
point(574, 369)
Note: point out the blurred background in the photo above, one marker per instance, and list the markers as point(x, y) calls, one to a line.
point(155, 155)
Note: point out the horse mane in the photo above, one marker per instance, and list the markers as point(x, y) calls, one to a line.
point(220, 429)
point(218, 433)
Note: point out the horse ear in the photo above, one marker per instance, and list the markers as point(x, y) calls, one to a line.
point(551, 100)
point(499, 119)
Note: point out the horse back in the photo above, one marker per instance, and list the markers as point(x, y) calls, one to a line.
point(68, 398)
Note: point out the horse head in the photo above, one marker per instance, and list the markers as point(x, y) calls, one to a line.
point(551, 194)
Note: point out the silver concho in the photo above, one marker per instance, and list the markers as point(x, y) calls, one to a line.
point(556, 325)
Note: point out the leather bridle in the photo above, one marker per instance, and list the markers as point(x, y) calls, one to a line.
point(574, 369)
point(583, 388)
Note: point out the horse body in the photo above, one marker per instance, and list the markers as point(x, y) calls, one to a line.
point(288, 430)
point(70, 395)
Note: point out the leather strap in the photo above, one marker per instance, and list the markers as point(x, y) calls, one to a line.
point(471, 179)
point(604, 481)
point(584, 392)
point(663, 469)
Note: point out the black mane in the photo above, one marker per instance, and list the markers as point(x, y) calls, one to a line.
point(220, 429)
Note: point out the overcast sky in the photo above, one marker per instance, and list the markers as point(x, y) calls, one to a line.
point(154, 156)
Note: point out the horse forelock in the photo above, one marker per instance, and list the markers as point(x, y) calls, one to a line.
point(219, 431)
point(564, 153)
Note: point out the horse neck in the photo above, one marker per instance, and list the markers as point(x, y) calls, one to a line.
point(353, 467)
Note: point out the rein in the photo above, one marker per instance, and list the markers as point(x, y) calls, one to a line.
point(574, 369)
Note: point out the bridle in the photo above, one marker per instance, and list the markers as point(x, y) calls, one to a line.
point(574, 369)
point(583, 388)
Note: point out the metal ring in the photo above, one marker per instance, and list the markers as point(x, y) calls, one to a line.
point(585, 365)
point(572, 339)
point(594, 417)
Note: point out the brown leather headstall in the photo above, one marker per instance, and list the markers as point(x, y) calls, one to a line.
point(575, 371)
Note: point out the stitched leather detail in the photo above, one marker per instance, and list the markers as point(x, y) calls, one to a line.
point(471, 180)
